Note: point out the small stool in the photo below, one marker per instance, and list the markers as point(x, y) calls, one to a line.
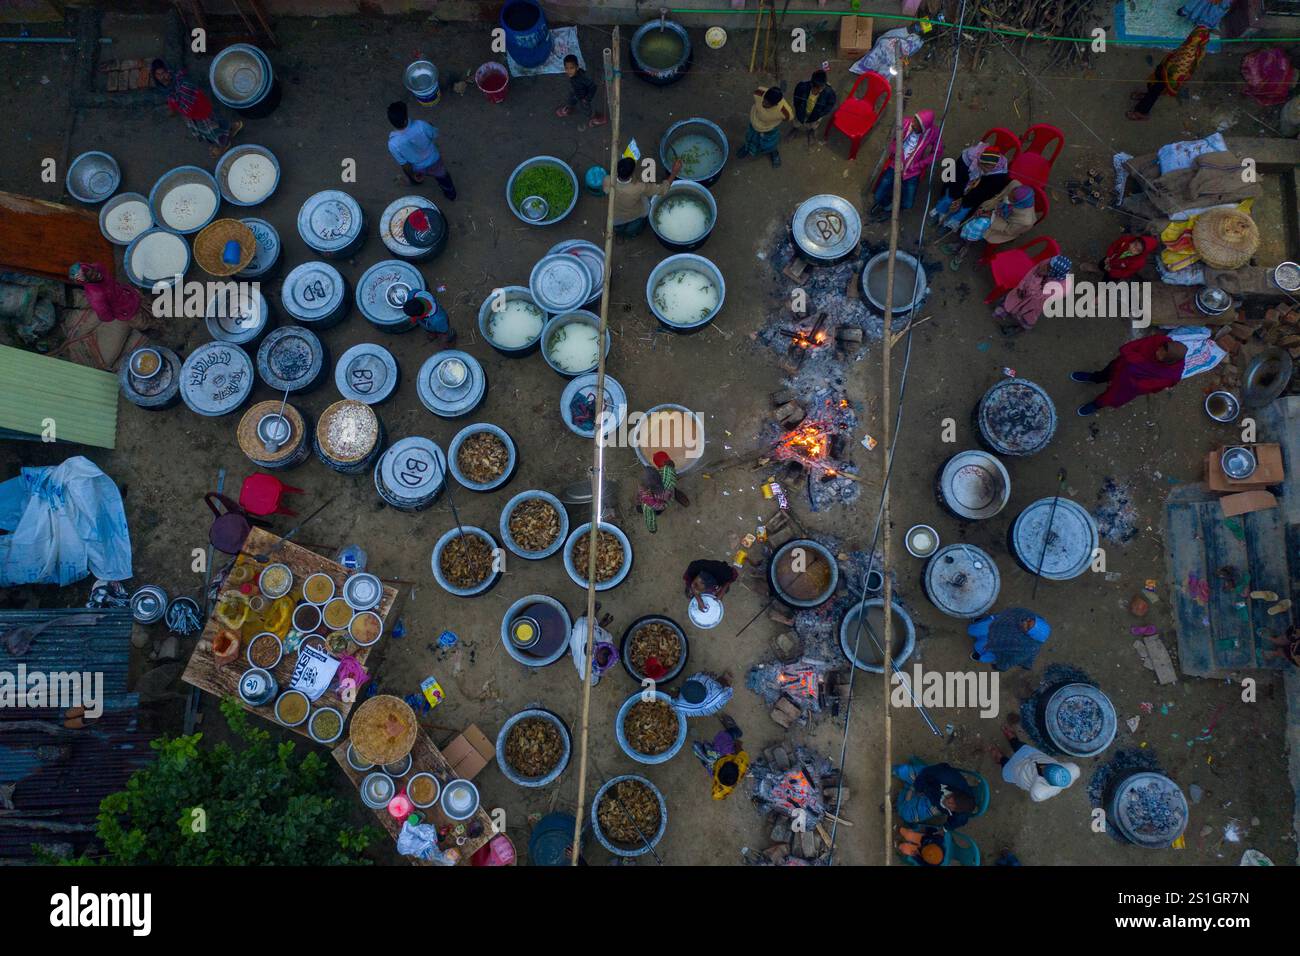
point(260, 495)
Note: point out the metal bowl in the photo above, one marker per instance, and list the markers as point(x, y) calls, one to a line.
point(615, 405)
point(570, 318)
point(240, 75)
point(468, 431)
point(560, 537)
point(106, 210)
point(553, 215)
point(551, 775)
point(689, 262)
point(696, 126)
point(182, 176)
point(868, 657)
point(484, 585)
point(826, 228)
point(974, 485)
point(148, 282)
point(93, 177)
point(1222, 406)
point(420, 78)
point(684, 187)
point(580, 579)
point(509, 293)
point(626, 745)
point(1286, 275)
point(875, 292)
point(1238, 462)
point(223, 173)
point(918, 551)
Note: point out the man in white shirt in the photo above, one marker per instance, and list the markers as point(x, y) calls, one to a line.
point(1032, 770)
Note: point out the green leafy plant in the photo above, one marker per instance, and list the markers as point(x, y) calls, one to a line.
point(247, 806)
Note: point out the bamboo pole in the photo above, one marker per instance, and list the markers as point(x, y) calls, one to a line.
point(598, 456)
point(887, 430)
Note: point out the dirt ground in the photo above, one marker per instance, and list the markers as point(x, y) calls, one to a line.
point(338, 75)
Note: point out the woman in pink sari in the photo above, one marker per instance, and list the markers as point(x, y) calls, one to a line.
point(1021, 307)
point(109, 299)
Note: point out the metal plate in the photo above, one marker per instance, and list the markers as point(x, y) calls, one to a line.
point(1080, 720)
point(268, 248)
point(413, 469)
point(590, 255)
point(826, 227)
point(974, 485)
point(451, 402)
point(1070, 545)
point(560, 283)
point(393, 220)
point(1016, 417)
point(384, 287)
point(291, 358)
point(330, 221)
point(1266, 377)
point(962, 581)
point(312, 291)
point(366, 373)
point(216, 379)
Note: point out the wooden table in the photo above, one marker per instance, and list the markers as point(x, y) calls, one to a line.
point(223, 680)
point(425, 758)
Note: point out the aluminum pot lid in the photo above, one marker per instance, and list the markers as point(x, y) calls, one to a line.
point(330, 220)
point(1080, 719)
point(393, 224)
point(1017, 417)
point(384, 288)
point(247, 322)
point(1149, 809)
point(826, 226)
point(290, 358)
point(366, 373)
point(312, 291)
point(216, 378)
point(589, 254)
point(448, 401)
point(962, 581)
point(156, 389)
point(267, 251)
point(560, 283)
point(974, 484)
point(1070, 544)
point(413, 468)
point(362, 591)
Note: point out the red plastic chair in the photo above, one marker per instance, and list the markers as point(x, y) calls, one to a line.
point(1009, 266)
point(1040, 147)
point(1003, 140)
point(857, 114)
point(261, 495)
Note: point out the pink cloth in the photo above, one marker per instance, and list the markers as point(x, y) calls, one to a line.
point(111, 300)
point(1269, 76)
point(927, 149)
point(1025, 302)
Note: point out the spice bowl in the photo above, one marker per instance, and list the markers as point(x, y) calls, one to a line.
point(421, 793)
point(356, 762)
point(265, 661)
point(306, 618)
point(318, 588)
point(366, 628)
point(292, 708)
point(400, 768)
point(459, 800)
point(275, 581)
point(320, 725)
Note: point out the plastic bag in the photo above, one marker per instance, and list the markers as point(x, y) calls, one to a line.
point(974, 228)
point(420, 840)
point(67, 522)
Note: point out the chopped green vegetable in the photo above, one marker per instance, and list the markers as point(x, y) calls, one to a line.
point(550, 182)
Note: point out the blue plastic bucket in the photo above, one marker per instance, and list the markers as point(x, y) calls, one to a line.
point(528, 38)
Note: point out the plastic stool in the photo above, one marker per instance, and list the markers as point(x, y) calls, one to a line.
point(260, 495)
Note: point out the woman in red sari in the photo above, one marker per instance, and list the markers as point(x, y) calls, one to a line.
point(1143, 367)
point(109, 299)
point(188, 101)
point(1171, 73)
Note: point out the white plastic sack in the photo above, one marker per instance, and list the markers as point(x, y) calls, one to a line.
point(420, 840)
point(67, 521)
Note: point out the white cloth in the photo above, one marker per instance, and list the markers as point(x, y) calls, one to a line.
point(1202, 352)
point(892, 46)
point(578, 647)
point(1022, 770)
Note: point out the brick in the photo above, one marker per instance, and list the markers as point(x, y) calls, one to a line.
point(781, 718)
point(780, 758)
point(778, 853)
point(1241, 330)
point(807, 845)
point(781, 832)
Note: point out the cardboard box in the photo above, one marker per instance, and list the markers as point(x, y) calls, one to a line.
point(469, 752)
point(855, 37)
point(1244, 502)
point(1269, 470)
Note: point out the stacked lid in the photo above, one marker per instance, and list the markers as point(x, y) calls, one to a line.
point(239, 318)
point(216, 379)
point(590, 255)
point(330, 222)
point(268, 248)
point(384, 289)
point(313, 292)
point(411, 472)
point(560, 282)
point(155, 388)
point(366, 373)
point(451, 383)
point(291, 359)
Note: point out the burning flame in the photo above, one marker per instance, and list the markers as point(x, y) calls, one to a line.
point(805, 341)
point(809, 441)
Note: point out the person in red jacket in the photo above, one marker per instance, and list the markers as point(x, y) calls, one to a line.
point(1143, 367)
point(1127, 255)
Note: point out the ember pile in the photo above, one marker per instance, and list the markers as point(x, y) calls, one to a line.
point(799, 690)
point(815, 444)
point(799, 795)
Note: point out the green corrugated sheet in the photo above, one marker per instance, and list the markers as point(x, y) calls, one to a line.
point(82, 401)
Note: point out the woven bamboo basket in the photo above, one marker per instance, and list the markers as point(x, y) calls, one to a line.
point(383, 729)
point(1225, 238)
point(211, 242)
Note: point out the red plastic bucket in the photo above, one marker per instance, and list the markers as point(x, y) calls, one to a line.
point(493, 79)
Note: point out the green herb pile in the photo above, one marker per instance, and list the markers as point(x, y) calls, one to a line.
point(550, 182)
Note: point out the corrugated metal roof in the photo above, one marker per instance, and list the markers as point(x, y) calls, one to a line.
point(80, 401)
point(104, 647)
